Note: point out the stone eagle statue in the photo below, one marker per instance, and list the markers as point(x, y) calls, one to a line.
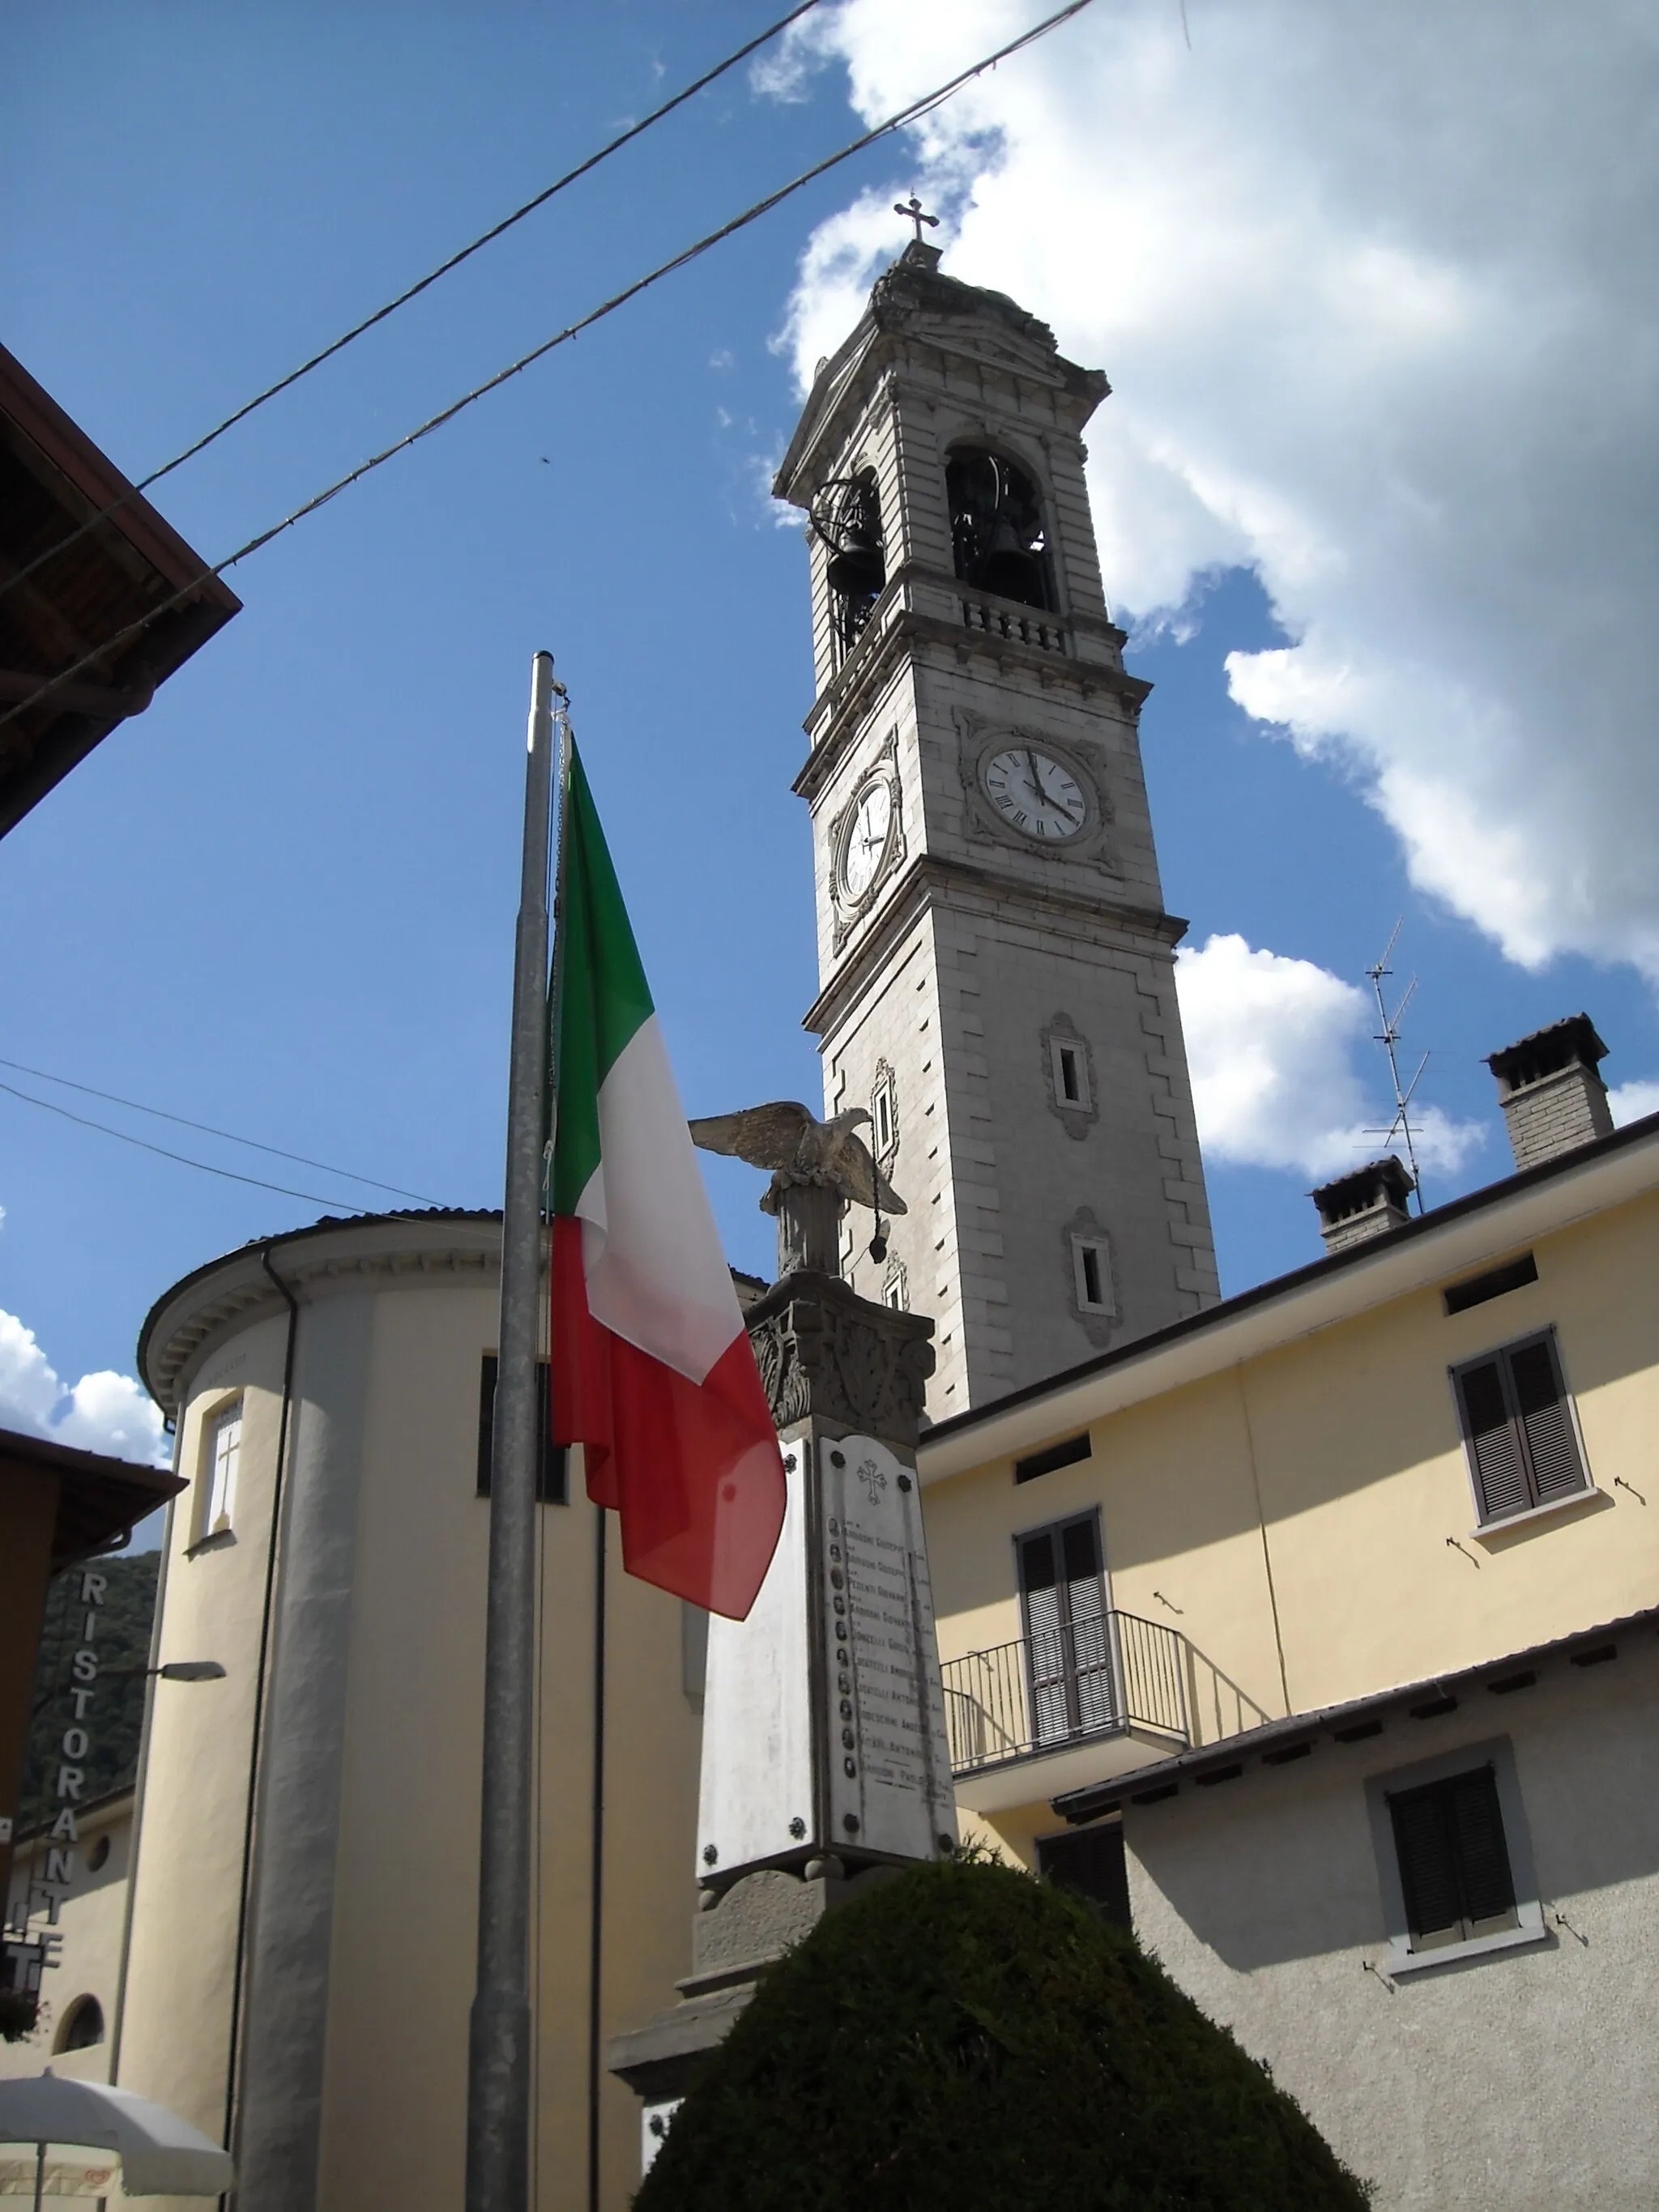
point(800, 1150)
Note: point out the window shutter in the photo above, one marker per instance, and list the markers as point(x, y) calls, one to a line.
point(1500, 1474)
point(1085, 1607)
point(551, 1487)
point(1454, 1862)
point(1089, 1861)
point(1039, 1576)
point(1545, 1421)
point(1482, 1854)
point(1428, 1867)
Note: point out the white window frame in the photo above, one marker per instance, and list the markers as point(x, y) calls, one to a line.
point(883, 1104)
point(1064, 1051)
point(220, 1468)
point(1099, 1250)
point(1495, 1752)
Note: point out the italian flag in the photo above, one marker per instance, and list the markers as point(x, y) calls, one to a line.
point(653, 1372)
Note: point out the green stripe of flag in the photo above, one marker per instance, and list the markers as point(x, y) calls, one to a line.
point(600, 996)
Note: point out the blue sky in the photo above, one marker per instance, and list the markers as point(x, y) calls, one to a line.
point(281, 902)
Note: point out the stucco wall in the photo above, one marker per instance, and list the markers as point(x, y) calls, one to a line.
point(1519, 2081)
point(1290, 1517)
point(176, 2024)
point(363, 1928)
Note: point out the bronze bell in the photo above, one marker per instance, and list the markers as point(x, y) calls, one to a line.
point(857, 569)
point(1010, 569)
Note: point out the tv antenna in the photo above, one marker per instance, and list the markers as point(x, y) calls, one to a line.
point(1389, 1037)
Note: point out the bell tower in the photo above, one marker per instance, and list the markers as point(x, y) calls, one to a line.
point(996, 967)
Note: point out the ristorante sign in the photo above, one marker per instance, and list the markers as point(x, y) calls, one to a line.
point(53, 1863)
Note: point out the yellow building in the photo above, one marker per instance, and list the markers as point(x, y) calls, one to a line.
point(1317, 1634)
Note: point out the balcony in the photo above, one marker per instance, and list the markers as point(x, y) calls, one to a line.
point(1063, 1707)
point(1011, 619)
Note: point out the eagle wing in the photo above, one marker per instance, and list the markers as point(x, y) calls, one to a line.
point(864, 1180)
point(765, 1136)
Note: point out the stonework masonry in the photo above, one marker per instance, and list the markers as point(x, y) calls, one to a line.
point(966, 950)
point(1564, 1111)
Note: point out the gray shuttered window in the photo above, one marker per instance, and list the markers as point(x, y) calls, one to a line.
point(1518, 1428)
point(1089, 1861)
point(1068, 1637)
point(1454, 1862)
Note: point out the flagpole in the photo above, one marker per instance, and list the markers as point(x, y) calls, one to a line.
point(499, 2043)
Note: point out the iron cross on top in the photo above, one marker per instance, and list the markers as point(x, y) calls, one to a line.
point(911, 209)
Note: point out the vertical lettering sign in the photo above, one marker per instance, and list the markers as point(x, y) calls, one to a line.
point(66, 1782)
point(890, 1770)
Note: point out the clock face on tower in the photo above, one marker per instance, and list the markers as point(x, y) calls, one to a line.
point(866, 838)
point(1035, 794)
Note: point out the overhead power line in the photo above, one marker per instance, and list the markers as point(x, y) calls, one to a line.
point(207, 1129)
point(904, 115)
point(414, 291)
point(313, 1197)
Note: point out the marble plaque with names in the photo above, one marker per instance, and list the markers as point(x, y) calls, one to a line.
point(889, 1767)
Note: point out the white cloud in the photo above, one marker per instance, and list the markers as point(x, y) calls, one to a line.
point(102, 1412)
point(1276, 1048)
point(1372, 287)
point(1631, 1101)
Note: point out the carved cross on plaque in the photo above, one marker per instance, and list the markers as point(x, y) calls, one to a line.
point(911, 209)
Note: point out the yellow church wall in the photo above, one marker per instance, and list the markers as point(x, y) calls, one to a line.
point(406, 1891)
point(176, 2015)
point(395, 1318)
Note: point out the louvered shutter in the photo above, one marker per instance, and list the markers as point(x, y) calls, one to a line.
point(1094, 1703)
point(1500, 1473)
point(1045, 1632)
point(1428, 1867)
point(1483, 1858)
point(1545, 1421)
point(1454, 1862)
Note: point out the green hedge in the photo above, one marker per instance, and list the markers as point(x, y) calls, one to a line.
point(969, 2037)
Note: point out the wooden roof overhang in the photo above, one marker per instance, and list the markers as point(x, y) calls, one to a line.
point(52, 480)
point(100, 1500)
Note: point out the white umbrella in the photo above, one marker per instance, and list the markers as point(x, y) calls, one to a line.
point(161, 2154)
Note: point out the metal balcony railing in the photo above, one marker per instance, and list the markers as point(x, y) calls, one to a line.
point(1105, 1675)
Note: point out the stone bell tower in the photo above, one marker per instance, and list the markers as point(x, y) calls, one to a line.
point(995, 963)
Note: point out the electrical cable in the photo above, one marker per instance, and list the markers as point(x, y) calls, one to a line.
point(207, 1129)
point(905, 116)
point(230, 1175)
point(357, 331)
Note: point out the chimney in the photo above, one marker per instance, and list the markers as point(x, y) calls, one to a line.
point(1554, 1097)
point(1367, 1203)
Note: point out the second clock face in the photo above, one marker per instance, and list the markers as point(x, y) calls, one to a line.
point(1033, 791)
point(865, 845)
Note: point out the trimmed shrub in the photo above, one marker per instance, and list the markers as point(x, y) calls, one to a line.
point(967, 2037)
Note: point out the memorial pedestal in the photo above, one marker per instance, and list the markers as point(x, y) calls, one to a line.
point(825, 1765)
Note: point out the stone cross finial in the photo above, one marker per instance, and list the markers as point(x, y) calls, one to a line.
point(911, 209)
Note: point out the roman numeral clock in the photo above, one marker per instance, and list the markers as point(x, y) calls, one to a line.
point(996, 966)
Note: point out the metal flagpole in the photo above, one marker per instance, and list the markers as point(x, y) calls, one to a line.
point(498, 2053)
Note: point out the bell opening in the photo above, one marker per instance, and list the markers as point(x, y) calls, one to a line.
point(996, 533)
